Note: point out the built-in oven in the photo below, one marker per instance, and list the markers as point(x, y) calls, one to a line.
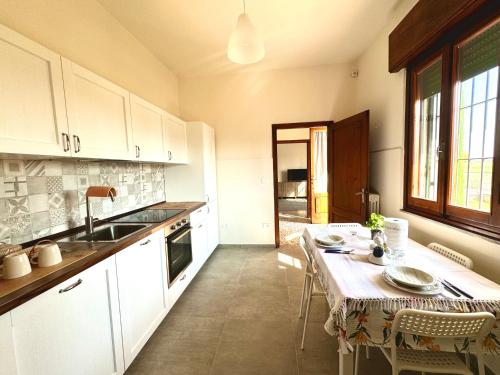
point(179, 248)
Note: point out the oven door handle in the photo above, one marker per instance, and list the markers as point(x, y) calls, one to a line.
point(177, 239)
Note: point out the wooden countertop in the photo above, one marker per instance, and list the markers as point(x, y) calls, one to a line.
point(77, 257)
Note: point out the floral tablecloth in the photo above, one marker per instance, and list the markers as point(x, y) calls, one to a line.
point(363, 305)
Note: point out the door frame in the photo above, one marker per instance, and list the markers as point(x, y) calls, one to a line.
point(294, 125)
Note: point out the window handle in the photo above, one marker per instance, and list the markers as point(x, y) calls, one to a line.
point(440, 150)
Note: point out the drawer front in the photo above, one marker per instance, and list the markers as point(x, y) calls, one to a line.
point(199, 215)
point(178, 287)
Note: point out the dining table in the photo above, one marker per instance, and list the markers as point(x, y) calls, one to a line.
point(363, 304)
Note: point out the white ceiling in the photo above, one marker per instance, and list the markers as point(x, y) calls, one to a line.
point(190, 36)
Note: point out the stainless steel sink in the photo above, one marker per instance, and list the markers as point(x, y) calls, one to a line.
point(107, 233)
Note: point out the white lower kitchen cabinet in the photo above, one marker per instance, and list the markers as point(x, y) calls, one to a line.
point(212, 227)
point(141, 271)
point(199, 236)
point(7, 357)
point(73, 328)
point(180, 284)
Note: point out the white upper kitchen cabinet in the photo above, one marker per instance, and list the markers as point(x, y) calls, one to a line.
point(141, 271)
point(98, 115)
point(33, 111)
point(73, 328)
point(147, 130)
point(198, 180)
point(174, 139)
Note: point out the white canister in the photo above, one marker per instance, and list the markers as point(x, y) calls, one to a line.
point(396, 231)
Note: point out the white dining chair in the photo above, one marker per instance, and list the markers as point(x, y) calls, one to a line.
point(474, 326)
point(311, 286)
point(451, 254)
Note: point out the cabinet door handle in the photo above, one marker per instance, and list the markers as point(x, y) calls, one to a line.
point(208, 197)
point(138, 151)
point(66, 142)
point(145, 243)
point(76, 141)
point(170, 155)
point(183, 277)
point(72, 286)
point(199, 226)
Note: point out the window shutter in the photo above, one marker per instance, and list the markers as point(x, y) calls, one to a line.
point(430, 80)
point(480, 54)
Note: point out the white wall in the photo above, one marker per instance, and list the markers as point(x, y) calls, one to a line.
point(383, 94)
point(242, 108)
point(83, 31)
point(291, 156)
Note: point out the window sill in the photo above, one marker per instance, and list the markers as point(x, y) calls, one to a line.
point(467, 226)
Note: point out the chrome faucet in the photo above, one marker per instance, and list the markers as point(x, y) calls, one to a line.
point(96, 191)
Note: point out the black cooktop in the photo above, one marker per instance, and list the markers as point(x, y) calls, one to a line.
point(149, 216)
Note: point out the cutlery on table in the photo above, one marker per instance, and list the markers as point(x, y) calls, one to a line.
point(450, 290)
point(333, 251)
point(456, 289)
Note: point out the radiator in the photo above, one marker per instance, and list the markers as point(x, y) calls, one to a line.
point(373, 203)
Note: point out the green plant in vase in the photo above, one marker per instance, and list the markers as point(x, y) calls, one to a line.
point(375, 223)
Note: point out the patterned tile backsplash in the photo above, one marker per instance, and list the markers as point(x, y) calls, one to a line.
point(42, 197)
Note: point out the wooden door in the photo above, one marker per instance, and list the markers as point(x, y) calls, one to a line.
point(348, 169)
point(73, 328)
point(317, 197)
point(147, 130)
point(98, 115)
point(33, 111)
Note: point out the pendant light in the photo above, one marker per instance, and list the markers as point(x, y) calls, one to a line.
point(245, 45)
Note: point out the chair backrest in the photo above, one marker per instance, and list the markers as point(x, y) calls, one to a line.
point(442, 324)
point(451, 254)
point(307, 255)
point(344, 225)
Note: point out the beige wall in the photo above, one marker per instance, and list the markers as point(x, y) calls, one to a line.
point(291, 156)
point(291, 134)
point(83, 31)
point(383, 94)
point(241, 108)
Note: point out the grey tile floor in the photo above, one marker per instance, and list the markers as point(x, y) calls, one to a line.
point(239, 317)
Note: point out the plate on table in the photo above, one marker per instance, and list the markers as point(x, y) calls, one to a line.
point(431, 290)
point(410, 276)
point(330, 240)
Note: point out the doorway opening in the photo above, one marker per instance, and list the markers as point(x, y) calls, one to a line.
point(300, 154)
point(332, 187)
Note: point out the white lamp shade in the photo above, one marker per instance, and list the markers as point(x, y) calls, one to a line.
point(245, 45)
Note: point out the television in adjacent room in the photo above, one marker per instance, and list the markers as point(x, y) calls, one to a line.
point(297, 175)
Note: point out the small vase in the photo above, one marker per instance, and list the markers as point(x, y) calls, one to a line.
point(375, 232)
